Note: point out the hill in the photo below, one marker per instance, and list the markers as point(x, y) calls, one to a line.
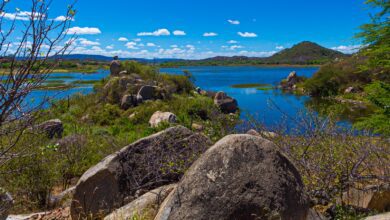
point(304, 53)
point(90, 57)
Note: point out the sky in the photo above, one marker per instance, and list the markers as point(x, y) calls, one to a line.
point(196, 29)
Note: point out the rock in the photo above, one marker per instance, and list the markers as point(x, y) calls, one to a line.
point(291, 81)
point(147, 92)
point(122, 73)
point(225, 103)
point(385, 216)
point(314, 215)
point(115, 68)
point(292, 77)
point(52, 128)
point(374, 198)
point(349, 90)
point(57, 214)
point(160, 117)
point(253, 132)
point(149, 163)
point(197, 127)
point(240, 177)
point(128, 101)
point(145, 206)
point(198, 90)
point(6, 203)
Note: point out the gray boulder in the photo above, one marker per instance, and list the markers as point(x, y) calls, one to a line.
point(128, 101)
point(115, 67)
point(52, 128)
point(161, 117)
point(384, 216)
point(240, 177)
point(149, 163)
point(374, 198)
point(147, 92)
point(145, 206)
point(6, 203)
point(225, 103)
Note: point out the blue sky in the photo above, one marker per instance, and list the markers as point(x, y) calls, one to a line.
point(199, 29)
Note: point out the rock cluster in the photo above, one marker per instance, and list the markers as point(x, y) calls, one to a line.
point(149, 163)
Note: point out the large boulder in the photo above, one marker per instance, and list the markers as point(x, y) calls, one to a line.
point(145, 207)
point(6, 203)
point(291, 82)
point(115, 67)
point(148, 92)
point(225, 103)
point(162, 117)
point(384, 216)
point(52, 128)
point(149, 163)
point(240, 177)
point(374, 198)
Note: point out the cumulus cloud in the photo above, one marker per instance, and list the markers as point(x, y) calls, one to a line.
point(21, 15)
point(83, 31)
point(110, 47)
point(63, 18)
point(279, 47)
point(137, 39)
point(159, 32)
point(247, 34)
point(179, 33)
point(210, 34)
point(131, 45)
point(150, 45)
point(232, 42)
point(349, 49)
point(233, 47)
point(123, 39)
point(234, 22)
point(85, 42)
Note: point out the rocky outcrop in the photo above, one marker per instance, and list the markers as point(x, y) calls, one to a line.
point(147, 92)
point(291, 81)
point(52, 128)
point(374, 198)
point(162, 117)
point(225, 103)
point(149, 163)
point(145, 206)
point(6, 203)
point(240, 177)
point(57, 200)
point(115, 67)
point(265, 134)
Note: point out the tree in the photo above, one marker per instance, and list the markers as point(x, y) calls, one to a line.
point(43, 41)
point(377, 36)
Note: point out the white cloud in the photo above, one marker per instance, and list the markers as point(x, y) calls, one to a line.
point(150, 45)
point(123, 39)
point(137, 39)
point(131, 45)
point(233, 47)
point(85, 42)
point(83, 30)
point(110, 47)
point(235, 22)
point(174, 46)
point(348, 49)
point(232, 42)
point(63, 18)
point(279, 47)
point(179, 33)
point(159, 32)
point(21, 15)
point(247, 34)
point(210, 34)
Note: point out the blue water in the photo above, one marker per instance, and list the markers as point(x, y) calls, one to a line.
point(272, 108)
point(268, 107)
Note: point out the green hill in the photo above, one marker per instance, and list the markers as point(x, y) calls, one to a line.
point(305, 53)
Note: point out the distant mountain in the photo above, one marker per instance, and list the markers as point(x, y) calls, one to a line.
point(304, 53)
point(84, 57)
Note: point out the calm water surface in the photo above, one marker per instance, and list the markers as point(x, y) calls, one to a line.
point(270, 107)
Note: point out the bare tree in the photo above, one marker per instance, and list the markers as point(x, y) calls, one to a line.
point(42, 41)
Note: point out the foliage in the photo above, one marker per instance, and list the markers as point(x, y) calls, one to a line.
point(378, 93)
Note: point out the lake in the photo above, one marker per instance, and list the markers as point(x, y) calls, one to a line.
point(269, 106)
